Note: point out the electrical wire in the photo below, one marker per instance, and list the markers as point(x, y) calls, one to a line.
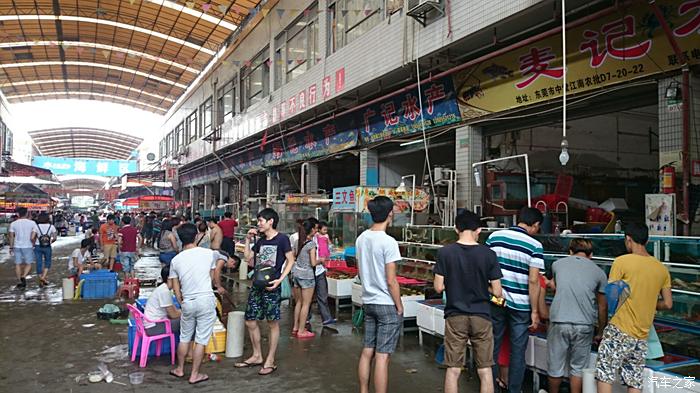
point(564, 75)
point(425, 137)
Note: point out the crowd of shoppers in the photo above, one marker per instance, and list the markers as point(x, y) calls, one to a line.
point(494, 292)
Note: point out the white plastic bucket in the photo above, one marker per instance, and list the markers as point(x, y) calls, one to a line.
point(68, 289)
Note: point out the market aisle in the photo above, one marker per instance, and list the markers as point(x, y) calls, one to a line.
point(47, 345)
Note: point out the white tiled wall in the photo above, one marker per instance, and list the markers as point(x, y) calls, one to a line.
point(468, 150)
point(387, 47)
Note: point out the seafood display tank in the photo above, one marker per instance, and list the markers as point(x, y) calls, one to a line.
point(678, 328)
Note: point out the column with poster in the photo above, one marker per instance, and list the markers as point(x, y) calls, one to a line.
point(660, 214)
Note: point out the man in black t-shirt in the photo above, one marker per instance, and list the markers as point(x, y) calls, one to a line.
point(469, 273)
point(270, 251)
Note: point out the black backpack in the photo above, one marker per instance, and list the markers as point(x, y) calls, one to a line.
point(44, 238)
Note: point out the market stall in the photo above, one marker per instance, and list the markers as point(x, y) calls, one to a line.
point(678, 329)
point(349, 217)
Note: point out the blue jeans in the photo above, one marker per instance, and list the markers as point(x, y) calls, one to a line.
point(127, 259)
point(43, 258)
point(518, 323)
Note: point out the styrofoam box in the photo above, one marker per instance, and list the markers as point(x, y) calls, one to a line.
point(540, 350)
point(439, 316)
point(426, 317)
point(530, 351)
point(340, 288)
point(410, 305)
point(357, 293)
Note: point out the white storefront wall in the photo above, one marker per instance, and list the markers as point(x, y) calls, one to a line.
point(388, 46)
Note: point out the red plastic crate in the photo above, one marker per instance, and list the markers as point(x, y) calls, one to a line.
point(346, 270)
point(336, 264)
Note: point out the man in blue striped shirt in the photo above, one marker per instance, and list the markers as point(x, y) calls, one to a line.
point(521, 260)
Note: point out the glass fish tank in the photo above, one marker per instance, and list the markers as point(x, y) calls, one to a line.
point(681, 255)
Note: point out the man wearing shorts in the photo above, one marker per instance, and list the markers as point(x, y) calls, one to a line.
point(109, 233)
point(128, 239)
point(271, 250)
point(22, 236)
point(580, 285)
point(468, 271)
point(191, 272)
point(624, 345)
point(377, 255)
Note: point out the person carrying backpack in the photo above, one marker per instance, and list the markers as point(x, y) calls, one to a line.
point(42, 250)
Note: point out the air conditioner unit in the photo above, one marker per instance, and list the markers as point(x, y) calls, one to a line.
point(183, 150)
point(419, 9)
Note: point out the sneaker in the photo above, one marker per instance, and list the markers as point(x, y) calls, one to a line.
point(331, 321)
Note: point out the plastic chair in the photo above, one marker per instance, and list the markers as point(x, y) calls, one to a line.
point(145, 340)
point(130, 287)
point(562, 192)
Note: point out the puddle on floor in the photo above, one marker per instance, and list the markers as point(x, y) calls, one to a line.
point(112, 354)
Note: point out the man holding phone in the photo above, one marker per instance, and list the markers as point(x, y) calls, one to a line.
point(270, 251)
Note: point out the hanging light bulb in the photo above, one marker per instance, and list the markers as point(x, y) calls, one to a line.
point(564, 155)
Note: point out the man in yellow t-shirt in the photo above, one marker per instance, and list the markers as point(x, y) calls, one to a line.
point(624, 345)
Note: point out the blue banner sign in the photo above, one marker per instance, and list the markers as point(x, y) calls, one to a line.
point(324, 140)
point(401, 114)
point(85, 166)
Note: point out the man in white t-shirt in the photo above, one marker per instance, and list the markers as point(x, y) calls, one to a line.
point(76, 262)
point(160, 306)
point(377, 255)
point(191, 272)
point(23, 235)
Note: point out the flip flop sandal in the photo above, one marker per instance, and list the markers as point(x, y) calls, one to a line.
point(200, 380)
point(307, 334)
point(273, 368)
point(501, 384)
point(246, 365)
point(175, 375)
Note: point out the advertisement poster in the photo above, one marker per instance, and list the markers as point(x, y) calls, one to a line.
point(660, 214)
point(402, 200)
point(620, 47)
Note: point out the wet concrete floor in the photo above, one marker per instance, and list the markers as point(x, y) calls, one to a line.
point(49, 345)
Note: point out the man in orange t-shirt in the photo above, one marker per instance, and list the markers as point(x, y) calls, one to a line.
point(109, 234)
